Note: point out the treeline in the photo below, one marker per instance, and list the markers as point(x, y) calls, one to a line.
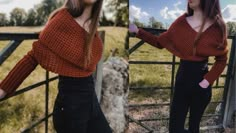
point(153, 23)
point(38, 15)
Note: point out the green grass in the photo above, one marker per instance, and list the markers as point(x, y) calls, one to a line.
point(18, 112)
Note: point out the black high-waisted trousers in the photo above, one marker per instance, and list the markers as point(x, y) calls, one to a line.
point(76, 108)
point(189, 96)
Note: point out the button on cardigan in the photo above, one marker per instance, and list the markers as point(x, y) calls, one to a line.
point(59, 49)
point(179, 38)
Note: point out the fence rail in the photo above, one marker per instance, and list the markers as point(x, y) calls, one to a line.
point(173, 63)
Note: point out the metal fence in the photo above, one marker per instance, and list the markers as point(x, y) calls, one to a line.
point(228, 78)
point(15, 40)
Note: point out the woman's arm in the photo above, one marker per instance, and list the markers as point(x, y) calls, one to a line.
point(218, 66)
point(161, 41)
point(156, 41)
point(19, 73)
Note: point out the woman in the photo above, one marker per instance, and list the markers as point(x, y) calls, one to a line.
point(70, 46)
point(193, 37)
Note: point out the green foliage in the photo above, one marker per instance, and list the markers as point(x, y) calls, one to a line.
point(231, 27)
point(120, 10)
point(43, 11)
point(153, 23)
point(31, 17)
point(136, 22)
point(3, 19)
point(17, 16)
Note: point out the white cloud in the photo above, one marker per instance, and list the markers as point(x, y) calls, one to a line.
point(166, 13)
point(136, 12)
point(5, 1)
point(229, 13)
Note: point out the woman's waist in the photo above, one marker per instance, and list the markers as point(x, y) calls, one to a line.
point(193, 66)
point(71, 83)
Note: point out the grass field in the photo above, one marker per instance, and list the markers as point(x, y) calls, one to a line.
point(19, 112)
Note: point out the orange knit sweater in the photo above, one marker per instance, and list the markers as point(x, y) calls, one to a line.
point(59, 49)
point(179, 38)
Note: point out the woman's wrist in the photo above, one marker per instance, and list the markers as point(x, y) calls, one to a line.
point(2, 93)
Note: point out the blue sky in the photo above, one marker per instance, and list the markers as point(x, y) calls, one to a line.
point(166, 11)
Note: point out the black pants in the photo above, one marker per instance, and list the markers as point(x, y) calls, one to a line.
point(189, 96)
point(76, 108)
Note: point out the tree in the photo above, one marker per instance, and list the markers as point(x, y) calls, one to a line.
point(120, 10)
point(104, 21)
point(153, 23)
point(3, 19)
point(31, 17)
point(44, 9)
point(17, 16)
point(136, 22)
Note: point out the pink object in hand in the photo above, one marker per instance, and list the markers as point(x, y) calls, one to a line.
point(204, 83)
point(2, 93)
point(133, 28)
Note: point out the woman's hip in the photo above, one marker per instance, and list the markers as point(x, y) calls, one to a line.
point(76, 84)
point(191, 71)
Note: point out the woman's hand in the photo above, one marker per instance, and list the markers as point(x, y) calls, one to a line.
point(204, 83)
point(133, 28)
point(2, 93)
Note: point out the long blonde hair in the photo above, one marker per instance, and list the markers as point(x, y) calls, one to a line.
point(76, 8)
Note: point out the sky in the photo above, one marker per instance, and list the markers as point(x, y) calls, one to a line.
point(166, 11)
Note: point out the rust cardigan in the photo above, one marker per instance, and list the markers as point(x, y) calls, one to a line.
point(59, 49)
point(179, 38)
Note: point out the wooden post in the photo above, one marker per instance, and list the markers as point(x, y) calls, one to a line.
point(99, 71)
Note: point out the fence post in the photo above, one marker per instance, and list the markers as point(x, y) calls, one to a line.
point(230, 101)
point(172, 80)
point(99, 71)
point(46, 101)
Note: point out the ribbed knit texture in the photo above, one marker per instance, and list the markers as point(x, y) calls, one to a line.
point(59, 49)
point(179, 38)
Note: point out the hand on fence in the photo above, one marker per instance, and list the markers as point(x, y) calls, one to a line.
point(204, 83)
point(133, 28)
point(2, 93)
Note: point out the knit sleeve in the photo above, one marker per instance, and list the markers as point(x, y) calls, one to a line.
point(160, 41)
point(156, 41)
point(19, 73)
point(218, 66)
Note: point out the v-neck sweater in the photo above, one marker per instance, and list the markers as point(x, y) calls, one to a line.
point(179, 38)
point(59, 49)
